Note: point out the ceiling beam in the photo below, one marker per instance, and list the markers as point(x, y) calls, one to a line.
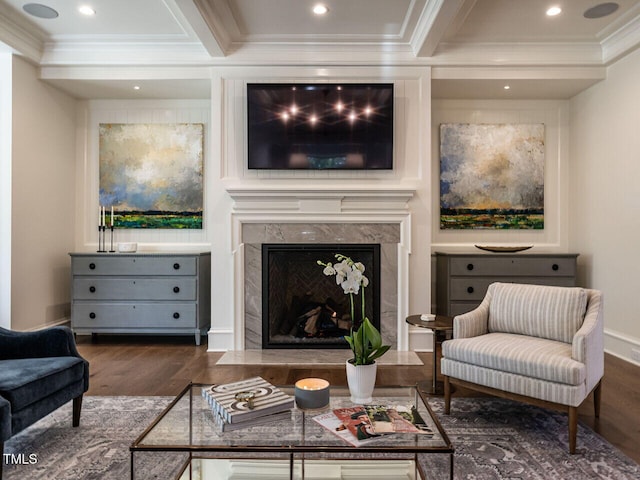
point(22, 36)
point(434, 21)
point(216, 45)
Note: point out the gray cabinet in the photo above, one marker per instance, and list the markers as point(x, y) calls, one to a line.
point(141, 293)
point(462, 279)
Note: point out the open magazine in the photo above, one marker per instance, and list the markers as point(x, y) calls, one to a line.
point(361, 424)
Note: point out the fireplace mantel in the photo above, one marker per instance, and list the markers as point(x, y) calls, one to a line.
point(276, 208)
point(339, 198)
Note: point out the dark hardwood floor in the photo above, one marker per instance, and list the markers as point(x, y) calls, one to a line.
point(122, 365)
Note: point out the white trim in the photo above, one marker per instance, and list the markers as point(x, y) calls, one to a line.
point(620, 345)
point(6, 109)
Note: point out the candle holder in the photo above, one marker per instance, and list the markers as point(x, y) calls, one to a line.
point(111, 249)
point(101, 239)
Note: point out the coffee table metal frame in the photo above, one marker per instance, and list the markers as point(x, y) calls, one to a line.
point(409, 444)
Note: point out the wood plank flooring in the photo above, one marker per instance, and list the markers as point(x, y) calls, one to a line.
point(122, 365)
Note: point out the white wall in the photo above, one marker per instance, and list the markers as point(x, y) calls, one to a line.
point(6, 75)
point(605, 197)
point(43, 199)
point(554, 115)
point(90, 115)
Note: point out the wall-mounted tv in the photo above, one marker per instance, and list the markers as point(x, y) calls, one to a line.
point(320, 126)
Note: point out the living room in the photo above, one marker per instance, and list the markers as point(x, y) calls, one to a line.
point(56, 93)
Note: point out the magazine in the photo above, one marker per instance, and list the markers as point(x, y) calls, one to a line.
point(333, 424)
point(357, 421)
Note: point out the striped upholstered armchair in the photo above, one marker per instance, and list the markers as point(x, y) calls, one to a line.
point(537, 344)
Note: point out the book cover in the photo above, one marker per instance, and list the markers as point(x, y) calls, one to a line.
point(254, 422)
point(266, 399)
point(407, 419)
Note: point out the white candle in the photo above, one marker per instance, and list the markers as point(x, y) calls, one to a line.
point(104, 223)
point(112, 215)
point(99, 216)
point(311, 393)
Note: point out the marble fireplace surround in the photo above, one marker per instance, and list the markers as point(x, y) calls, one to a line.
point(254, 235)
point(291, 215)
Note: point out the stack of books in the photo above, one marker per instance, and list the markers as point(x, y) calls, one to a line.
point(247, 403)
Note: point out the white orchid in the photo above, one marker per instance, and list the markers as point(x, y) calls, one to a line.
point(350, 276)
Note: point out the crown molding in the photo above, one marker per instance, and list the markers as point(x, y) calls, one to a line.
point(621, 42)
point(433, 23)
point(21, 35)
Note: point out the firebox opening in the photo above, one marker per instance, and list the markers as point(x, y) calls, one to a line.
point(304, 308)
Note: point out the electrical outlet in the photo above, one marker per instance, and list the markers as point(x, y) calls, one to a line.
point(635, 354)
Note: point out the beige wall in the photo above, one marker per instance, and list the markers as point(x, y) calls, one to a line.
point(43, 196)
point(605, 197)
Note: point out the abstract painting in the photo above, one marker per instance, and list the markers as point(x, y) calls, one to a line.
point(491, 176)
point(152, 174)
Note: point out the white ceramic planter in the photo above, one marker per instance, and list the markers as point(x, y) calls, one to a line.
point(361, 380)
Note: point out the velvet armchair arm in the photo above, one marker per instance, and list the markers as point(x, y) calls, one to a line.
point(50, 342)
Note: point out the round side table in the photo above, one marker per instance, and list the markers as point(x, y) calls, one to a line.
point(439, 327)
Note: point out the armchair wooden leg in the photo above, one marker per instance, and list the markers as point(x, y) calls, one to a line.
point(77, 407)
point(597, 394)
point(447, 395)
point(573, 429)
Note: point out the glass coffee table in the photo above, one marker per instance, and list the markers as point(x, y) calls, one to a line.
point(185, 443)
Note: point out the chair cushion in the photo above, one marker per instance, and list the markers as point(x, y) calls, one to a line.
point(527, 356)
point(5, 420)
point(25, 381)
point(555, 313)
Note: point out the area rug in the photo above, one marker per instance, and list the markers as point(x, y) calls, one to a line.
point(494, 439)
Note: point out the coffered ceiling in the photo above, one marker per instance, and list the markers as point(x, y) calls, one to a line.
point(474, 46)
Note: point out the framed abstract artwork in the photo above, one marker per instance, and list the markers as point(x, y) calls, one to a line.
point(491, 176)
point(152, 174)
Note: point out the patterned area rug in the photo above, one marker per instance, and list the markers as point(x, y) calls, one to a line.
point(494, 439)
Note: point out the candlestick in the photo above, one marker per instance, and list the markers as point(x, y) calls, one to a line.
point(112, 217)
point(99, 215)
point(111, 249)
point(104, 223)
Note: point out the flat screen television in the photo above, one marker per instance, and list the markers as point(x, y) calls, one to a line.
point(320, 126)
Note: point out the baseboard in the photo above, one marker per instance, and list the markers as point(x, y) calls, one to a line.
point(63, 321)
point(622, 346)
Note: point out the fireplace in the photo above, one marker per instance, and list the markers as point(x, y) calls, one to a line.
point(304, 308)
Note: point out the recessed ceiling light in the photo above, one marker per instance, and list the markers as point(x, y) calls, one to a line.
point(553, 11)
point(507, 87)
point(40, 11)
point(601, 10)
point(86, 10)
point(136, 87)
point(320, 9)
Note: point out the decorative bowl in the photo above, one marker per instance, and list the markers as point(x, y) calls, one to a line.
point(127, 247)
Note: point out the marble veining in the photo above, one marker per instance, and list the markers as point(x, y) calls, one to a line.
point(303, 357)
point(255, 234)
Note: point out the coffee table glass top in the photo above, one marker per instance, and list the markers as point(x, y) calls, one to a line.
point(187, 424)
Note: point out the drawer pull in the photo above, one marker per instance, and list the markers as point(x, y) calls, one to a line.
point(176, 289)
point(92, 266)
point(176, 315)
point(469, 289)
point(555, 267)
point(92, 315)
point(470, 266)
point(92, 289)
point(176, 266)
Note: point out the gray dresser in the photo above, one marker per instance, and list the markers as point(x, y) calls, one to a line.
point(462, 279)
point(141, 293)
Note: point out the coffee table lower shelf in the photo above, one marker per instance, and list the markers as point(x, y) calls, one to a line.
point(184, 443)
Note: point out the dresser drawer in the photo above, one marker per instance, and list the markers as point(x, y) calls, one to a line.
point(475, 288)
point(129, 315)
point(512, 266)
point(134, 265)
point(127, 288)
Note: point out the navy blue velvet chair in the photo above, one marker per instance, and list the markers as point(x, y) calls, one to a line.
point(39, 372)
